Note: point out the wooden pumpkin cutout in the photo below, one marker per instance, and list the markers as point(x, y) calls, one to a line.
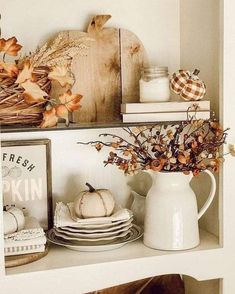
point(188, 85)
point(109, 74)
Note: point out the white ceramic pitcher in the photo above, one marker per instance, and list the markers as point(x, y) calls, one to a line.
point(171, 213)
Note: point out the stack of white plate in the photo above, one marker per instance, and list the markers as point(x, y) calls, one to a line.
point(95, 232)
point(95, 237)
point(103, 243)
point(92, 234)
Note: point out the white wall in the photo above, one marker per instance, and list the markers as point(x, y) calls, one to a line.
point(156, 23)
point(73, 165)
point(199, 46)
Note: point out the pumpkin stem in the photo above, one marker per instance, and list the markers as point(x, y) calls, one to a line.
point(97, 23)
point(196, 72)
point(91, 189)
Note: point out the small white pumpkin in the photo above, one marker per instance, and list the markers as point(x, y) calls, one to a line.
point(13, 220)
point(94, 203)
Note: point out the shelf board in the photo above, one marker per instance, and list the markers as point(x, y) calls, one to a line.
point(76, 126)
point(60, 257)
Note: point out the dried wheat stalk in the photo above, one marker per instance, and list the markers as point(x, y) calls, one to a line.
point(60, 52)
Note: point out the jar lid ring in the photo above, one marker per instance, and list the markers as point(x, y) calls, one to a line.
point(155, 67)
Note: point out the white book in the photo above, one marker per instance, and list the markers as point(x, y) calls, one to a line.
point(162, 117)
point(170, 106)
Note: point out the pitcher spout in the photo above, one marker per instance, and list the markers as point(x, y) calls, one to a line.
point(151, 173)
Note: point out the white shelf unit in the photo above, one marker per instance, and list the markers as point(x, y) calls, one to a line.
point(60, 257)
point(196, 33)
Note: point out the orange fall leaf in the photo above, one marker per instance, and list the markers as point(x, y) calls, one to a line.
point(33, 93)
point(8, 70)
point(61, 75)
point(71, 101)
point(50, 119)
point(62, 111)
point(10, 46)
point(25, 74)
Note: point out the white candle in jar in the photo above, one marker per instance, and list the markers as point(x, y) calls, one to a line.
point(154, 85)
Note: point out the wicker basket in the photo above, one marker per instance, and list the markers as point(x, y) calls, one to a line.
point(13, 108)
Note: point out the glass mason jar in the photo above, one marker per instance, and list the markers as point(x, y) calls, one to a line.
point(154, 84)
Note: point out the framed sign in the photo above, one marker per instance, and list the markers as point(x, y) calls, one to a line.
point(26, 177)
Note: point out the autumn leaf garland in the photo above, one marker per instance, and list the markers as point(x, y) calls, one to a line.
point(22, 73)
point(34, 94)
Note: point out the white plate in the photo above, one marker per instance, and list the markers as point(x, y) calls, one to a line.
point(93, 235)
point(90, 239)
point(135, 233)
point(103, 228)
point(98, 226)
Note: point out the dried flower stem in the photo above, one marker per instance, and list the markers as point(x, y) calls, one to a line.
point(192, 145)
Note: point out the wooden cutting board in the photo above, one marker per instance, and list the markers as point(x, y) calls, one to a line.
point(109, 74)
point(17, 260)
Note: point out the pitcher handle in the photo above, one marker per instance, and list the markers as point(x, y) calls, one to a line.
point(211, 195)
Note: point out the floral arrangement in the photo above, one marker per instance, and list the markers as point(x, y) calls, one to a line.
point(190, 146)
point(25, 83)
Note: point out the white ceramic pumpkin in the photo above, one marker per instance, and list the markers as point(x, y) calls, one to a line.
point(13, 220)
point(94, 203)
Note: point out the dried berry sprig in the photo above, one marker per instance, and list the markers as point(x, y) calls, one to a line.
point(190, 146)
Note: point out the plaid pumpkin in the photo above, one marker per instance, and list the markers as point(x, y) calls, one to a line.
point(188, 85)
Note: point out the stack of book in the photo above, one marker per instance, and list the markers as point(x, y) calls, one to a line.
point(164, 111)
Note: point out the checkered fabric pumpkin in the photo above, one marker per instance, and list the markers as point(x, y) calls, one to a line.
point(188, 85)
